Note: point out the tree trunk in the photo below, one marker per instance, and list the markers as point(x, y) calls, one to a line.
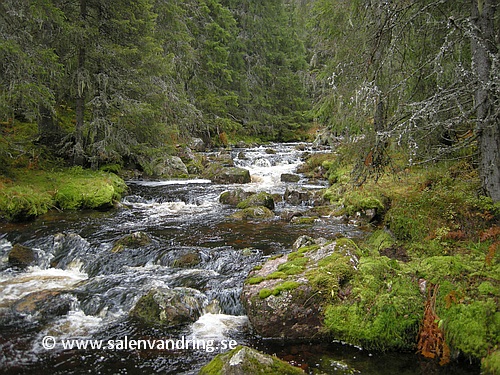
point(488, 126)
point(49, 132)
point(78, 156)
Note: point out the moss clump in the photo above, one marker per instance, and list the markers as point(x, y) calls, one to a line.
point(244, 360)
point(383, 309)
point(32, 194)
point(285, 286)
point(490, 364)
point(294, 266)
point(472, 327)
point(255, 280)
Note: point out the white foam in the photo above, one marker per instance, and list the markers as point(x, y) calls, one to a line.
point(36, 279)
point(218, 326)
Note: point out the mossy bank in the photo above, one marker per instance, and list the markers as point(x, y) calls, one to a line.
point(27, 194)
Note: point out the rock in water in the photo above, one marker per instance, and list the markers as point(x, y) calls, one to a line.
point(244, 361)
point(21, 256)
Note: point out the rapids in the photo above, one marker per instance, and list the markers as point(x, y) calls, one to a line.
point(97, 288)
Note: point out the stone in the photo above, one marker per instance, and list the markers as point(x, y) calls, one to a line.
point(259, 212)
point(243, 360)
point(169, 307)
point(21, 256)
point(284, 298)
point(45, 305)
point(260, 199)
point(234, 197)
point(290, 177)
point(230, 175)
point(133, 240)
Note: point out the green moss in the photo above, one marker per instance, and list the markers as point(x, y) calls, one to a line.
point(487, 288)
point(383, 310)
point(254, 280)
point(250, 361)
point(380, 239)
point(360, 201)
point(490, 365)
point(473, 328)
point(276, 275)
point(285, 286)
point(33, 194)
point(294, 266)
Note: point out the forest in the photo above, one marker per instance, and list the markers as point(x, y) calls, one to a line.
point(104, 82)
point(403, 96)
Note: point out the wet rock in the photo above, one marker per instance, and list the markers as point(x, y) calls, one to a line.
point(169, 166)
point(234, 197)
point(169, 307)
point(45, 305)
point(228, 175)
point(299, 197)
point(21, 256)
point(190, 259)
point(283, 298)
point(259, 212)
point(243, 360)
point(133, 240)
point(260, 199)
point(290, 177)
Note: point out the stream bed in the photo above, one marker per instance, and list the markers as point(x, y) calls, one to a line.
point(98, 287)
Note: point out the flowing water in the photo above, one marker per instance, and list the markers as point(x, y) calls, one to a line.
point(85, 291)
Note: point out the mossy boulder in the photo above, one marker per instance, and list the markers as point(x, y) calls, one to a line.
point(21, 256)
point(261, 213)
point(169, 307)
point(234, 197)
point(133, 240)
point(228, 175)
point(187, 260)
point(243, 360)
point(259, 199)
point(285, 298)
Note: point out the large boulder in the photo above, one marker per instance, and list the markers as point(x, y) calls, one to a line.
point(169, 307)
point(285, 297)
point(243, 360)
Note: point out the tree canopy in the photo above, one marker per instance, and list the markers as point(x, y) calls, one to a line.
point(104, 79)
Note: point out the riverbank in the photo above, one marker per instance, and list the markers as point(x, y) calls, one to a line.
point(428, 275)
point(27, 194)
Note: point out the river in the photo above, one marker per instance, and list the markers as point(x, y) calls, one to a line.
point(100, 287)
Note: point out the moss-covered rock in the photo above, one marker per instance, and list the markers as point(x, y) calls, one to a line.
point(133, 240)
point(169, 307)
point(285, 298)
point(234, 197)
point(250, 213)
point(259, 199)
point(243, 360)
point(221, 174)
point(21, 256)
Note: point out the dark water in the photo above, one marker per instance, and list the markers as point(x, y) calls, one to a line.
point(74, 260)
